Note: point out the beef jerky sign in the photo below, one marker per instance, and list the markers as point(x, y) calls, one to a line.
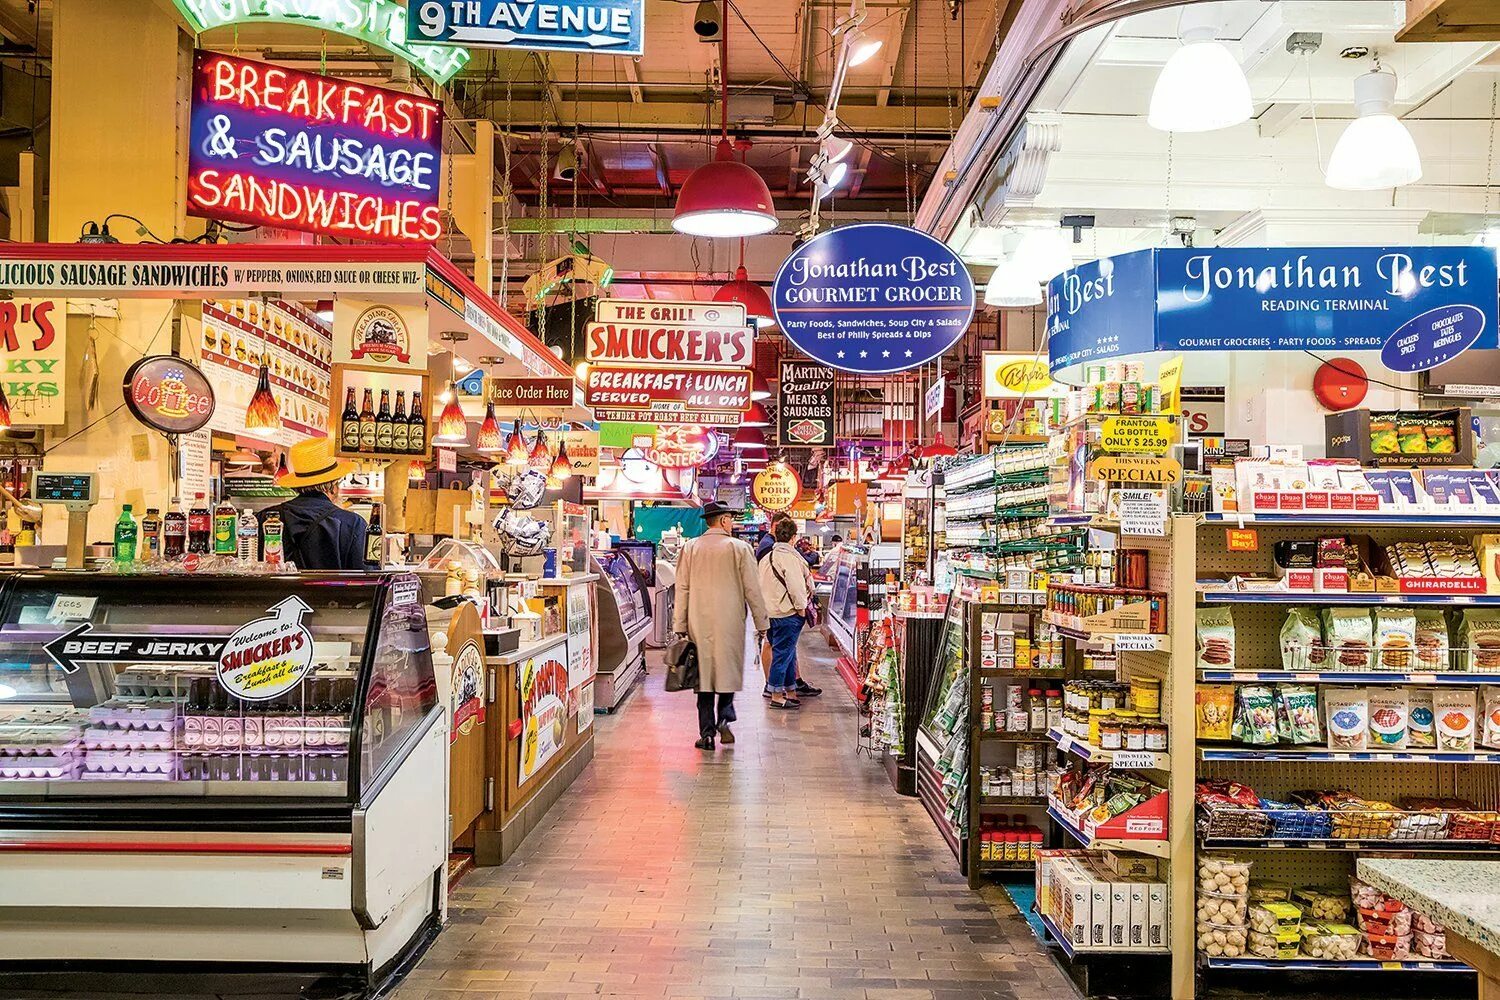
point(805, 405)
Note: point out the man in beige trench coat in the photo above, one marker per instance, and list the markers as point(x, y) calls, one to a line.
point(716, 583)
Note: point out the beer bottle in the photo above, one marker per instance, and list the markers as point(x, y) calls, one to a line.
point(349, 424)
point(383, 432)
point(367, 423)
point(400, 430)
point(416, 426)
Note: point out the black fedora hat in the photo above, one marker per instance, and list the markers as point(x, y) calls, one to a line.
point(714, 508)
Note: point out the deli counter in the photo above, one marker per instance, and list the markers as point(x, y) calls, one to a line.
point(221, 769)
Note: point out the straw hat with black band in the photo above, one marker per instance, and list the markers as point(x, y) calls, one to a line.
point(312, 463)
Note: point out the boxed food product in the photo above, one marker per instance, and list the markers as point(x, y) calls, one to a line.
point(1274, 917)
point(1099, 904)
point(1119, 914)
point(1388, 717)
point(1382, 920)
point(1215, 638)
point(1388, 947)
point(1419, 728)
point(1129, 866)
point(1215, 711)
point(1332, 942)
point(1297, 714)
point(1350, 635)
point(1323, 905)
point(1140, 913)
point(1156, 926)
point(1453, 712)
point(1347, 713)
point(1487, 551)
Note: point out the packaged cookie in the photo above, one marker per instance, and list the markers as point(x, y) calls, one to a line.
point(1350, 636)
point(1432, 639)
point(1302, 640)
point(1215, 711)
point(1388, 717)
point(1297, 704)
point(1479, 638)
point(1419, 726)
point(1453, 711)
point(1489, 726)
point(1254, 716)
point(1347, 711)
point(1215, 638)
point(1395, 638)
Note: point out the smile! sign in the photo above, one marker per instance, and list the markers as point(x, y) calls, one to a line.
point(271, 146)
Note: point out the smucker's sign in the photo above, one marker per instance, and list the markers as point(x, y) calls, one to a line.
point(269, 656)
point(671, 333)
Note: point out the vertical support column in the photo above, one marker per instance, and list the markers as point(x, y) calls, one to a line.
point(1182, 725)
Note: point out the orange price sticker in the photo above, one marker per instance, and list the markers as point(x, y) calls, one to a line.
point(1242, 539)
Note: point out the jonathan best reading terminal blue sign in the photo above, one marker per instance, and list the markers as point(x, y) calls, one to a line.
point(1417, 306)
point(608, 27)
point(873, 298)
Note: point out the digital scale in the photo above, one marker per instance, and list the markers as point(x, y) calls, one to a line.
point(77, 492)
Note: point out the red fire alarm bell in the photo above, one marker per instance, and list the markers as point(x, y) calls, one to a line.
point(1340, 384)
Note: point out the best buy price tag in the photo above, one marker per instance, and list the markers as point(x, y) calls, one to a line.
point(1137, 434)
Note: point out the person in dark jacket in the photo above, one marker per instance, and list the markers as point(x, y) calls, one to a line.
point(318, 534)
point(768, 542)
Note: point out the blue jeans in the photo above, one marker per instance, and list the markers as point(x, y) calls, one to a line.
point(784, 633)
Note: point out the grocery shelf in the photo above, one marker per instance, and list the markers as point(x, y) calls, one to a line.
point(1322, 965)
point(1155, 848)
point(1310, 597)
point(1382, 756)
point(1005, 736)
point(1140, 760)
point(1347, 677)
point(1061, 940)
point(1350, 520)
point(1010, 801)
point(1137, 641)
point(1330, 844)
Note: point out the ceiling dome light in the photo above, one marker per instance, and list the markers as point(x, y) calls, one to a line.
point(1202, 87)
point(749, 439)
point(725, 199)
point(759, 387)
point(750, 295)
point(860, 46)
point(756, 416)
point(1011, 287)
point(1375, 151)
point(1043, 253)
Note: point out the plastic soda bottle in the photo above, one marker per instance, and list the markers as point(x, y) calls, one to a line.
point(125, 536)
point(225, 528)
point(271, 548)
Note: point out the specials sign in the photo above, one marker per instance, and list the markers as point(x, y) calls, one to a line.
point(671, 333)
point(543, 683)
point(805, 414)
point(276, 147)
point(269, 656)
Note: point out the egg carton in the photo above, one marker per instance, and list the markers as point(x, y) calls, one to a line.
point(41, 769)
point(127, 739)
point(135, 714)
point(42, 745)
point(114, 762)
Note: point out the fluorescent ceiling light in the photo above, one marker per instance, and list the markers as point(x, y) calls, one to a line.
point(1375, 151)
point(1202, 87)
point(1011, 286)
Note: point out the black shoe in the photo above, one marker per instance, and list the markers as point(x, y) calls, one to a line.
point(726, 735)
point(804, 688)
point(765, 692)
point(781, 705)
point(705, 743)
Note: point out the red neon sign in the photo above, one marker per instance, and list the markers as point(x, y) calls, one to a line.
point(273, 146)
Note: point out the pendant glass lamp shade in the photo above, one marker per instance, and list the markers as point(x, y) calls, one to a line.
point(1375, 151)
point(1043, 253)
point(759, 387)
point(724, 198)
point(939, 448)
point(1010, 287)
point(489, 441)
point(749, 439)
point(262, 415)
point(562, 467)
point(1202, 87)
point(756, 416)
point(281, 470)
point(540, 457)
point(451, 427)
point(516, 452)
point(750, 295)
point(416, 471)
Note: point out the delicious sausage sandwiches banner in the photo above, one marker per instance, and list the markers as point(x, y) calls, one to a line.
point(1417, 306)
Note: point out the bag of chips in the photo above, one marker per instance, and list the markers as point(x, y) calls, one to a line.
point(1255, 715)
point(1298, 704)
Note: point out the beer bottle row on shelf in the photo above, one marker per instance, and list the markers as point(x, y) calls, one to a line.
point(383, 431)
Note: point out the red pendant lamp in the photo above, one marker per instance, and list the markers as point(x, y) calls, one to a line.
point(748, 294)
point(939, 448)
point(540, 457)
point(756, 416)
point(749, 439)
point(488, 441)
point(452, 428)
point(516, 451)
point(724, 198)
point(562, 466)
point(759, 387)
point(262, 415)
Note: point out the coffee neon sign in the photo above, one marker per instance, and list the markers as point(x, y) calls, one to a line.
point(273, 146)
point(168, 394)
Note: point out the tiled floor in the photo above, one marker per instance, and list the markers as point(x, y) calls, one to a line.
point(784, 867)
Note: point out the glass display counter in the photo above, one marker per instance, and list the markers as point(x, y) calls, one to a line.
point(624, 621)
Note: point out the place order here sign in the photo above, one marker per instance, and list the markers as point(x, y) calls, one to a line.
point(669, 362)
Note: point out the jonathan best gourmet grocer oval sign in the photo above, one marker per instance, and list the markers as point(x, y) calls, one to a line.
point(873, 298)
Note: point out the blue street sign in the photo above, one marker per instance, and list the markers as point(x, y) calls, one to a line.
point(602, 27)
point(873, 298)
point(1417, 306)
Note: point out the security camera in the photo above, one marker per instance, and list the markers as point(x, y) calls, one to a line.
point(567, 163)
point(708, 21)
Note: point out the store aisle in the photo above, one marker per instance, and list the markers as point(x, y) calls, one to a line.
point(783, 867)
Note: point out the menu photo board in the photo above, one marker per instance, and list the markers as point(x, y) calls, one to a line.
point(298, 352)
point(805, 412)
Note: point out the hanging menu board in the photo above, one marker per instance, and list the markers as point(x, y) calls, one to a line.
point(299, 349)
point(805, 410)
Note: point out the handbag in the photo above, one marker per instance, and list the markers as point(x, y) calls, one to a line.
point(810, 612)
point(681, 660)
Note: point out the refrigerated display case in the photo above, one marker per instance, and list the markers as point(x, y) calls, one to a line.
point(193, 766)
point(624, 621)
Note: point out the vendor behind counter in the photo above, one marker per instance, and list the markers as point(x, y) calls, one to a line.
point(318, 534)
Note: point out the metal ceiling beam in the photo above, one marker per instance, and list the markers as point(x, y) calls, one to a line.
point(860, 172)
point(659, 161)
point(597, 174)
point(665, 116)
point(896, 33)
point(794, 174)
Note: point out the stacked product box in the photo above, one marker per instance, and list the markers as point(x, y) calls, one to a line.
point(1103, 900)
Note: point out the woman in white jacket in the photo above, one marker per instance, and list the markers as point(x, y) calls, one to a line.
point(786, 583)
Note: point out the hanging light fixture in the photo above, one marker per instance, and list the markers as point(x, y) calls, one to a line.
point(748, 294)
point(488, 441)
point(263, 415)
point(938, 448)
point(1043, 253)
point(516, 451)
point(281, 469)
point(452, 428)
point(562, 466)
point(242, 458)
point(748, 439)
point(1201, 88)
point(1011, 287)
point(416, 470)
point(724, 198)
point(756, 416)
point(1375, 151)
point(540, 457)
point(859, 46)
point(759, 387)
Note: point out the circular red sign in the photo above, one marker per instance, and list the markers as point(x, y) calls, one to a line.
point(168, 394)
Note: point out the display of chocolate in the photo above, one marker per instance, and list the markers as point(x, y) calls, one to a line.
point(1229, 810)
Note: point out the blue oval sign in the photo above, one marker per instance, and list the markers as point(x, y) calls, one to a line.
point(873, 298)
point(1433, 337)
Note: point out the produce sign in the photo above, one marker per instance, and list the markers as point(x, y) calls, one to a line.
point(805, 410)
point(269, 656)
point(671, 333)
point(509, 391)
point(33, 337)
point(651, 389)
point(272, 146)
point(607, 27)
point(873, 298)
point(543, 684)
point(167, 394)
point(381, 23)
point(1152, 434)
point(776, 488)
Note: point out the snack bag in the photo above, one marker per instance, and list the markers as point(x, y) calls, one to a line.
point(1215, 709)
point(1388, 718)
point(1453, 718)
point(1255, 716)
point(1348, 711)
point(1419, 727)
point(1411, 434)
point(1489, 728)
point(1298, 703)
point(1215, 638)
point(1432, 639)
point(1383, 440)
point(1301, 640)
point(1351, 636)
point(1395, 638)
point(1479, 638)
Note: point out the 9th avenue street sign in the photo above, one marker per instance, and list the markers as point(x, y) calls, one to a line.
point(603, 27)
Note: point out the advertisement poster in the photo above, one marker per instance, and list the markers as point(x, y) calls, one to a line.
point(269, 656)
point(298, 350)
point(651, 390)
point(544, 709)
point(586, 707)
point(34, 337)
point(468, 690)
point(369, 332)
point(805, 410)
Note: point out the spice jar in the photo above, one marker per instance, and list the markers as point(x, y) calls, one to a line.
point(1111, 733)
point(1054, 709)
point(1097, 717)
